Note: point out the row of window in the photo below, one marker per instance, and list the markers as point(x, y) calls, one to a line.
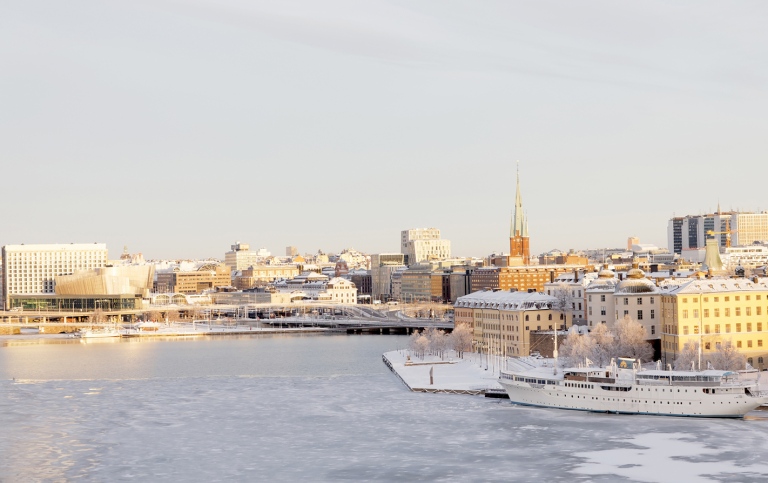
point(695, 328)
point(726, 312)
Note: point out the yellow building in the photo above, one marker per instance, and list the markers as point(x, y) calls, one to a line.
point(713, 311)
point(207, 277)
point(502, 321)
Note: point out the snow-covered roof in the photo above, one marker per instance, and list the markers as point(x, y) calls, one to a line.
point(714, 285)
point(505, 300)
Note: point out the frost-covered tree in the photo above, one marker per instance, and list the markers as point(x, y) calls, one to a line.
point(418, 344)
point(604, 345)
point(461, 339)
point(563, 302)
point(688, 357)
point(727, 358)
point(630, 340)
point(437, 341)
point(577, 348)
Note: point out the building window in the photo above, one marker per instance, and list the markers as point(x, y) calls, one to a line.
point(706, 312)
point(717, 312)
point(749, 327)
point(695, 313)
point(538, 316)
point(706, 346)
point(602, 298)
point(760, 343)
point(626, 312)
point(738, 311)
point(639, 300)
point(759, 326)
point(602, 310)
point(706, 329)
point(653, 314)
point(685, 314)
point(717, 328)
point(748, 310)
point(590, 310)
point(653, 329)
point(738, 327)
point(651, 300)
point(639, 315)
point(749, 343)
point(738, 344)
point(590, 297)
point(685, 330)
point(626, 300)
point(727, 328)
point(526, 319)
point(757, 310)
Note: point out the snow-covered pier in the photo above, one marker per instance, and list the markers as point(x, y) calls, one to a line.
point(450, 374)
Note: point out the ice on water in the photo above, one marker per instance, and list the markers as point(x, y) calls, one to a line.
point(349, 419)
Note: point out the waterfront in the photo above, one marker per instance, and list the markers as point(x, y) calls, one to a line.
point(318, 408)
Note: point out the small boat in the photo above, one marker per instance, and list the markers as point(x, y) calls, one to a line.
point(99, 333)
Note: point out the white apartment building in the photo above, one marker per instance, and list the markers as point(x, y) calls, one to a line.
point(32, 269)
point(610, 300)
point(575, 284)
point(424, 244)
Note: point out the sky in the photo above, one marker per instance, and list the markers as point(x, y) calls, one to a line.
point(177, 128)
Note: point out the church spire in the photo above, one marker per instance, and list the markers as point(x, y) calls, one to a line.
point(518, 223)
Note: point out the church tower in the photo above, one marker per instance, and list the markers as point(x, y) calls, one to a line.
point(519, 248)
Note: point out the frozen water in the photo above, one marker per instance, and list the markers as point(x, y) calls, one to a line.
point(321, 408)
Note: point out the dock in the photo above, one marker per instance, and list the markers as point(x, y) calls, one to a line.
point(447, 375)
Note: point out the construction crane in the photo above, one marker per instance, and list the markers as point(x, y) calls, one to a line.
point(727, 234)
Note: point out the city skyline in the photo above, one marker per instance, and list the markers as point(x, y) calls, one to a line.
point(177, 129)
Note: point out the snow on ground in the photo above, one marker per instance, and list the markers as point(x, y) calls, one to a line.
point(450, 373)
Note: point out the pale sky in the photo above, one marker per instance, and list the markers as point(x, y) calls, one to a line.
point(180, 127)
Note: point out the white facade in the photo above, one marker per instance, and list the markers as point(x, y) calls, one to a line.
point(32, 269)
point(575, 284)
point(424, 244)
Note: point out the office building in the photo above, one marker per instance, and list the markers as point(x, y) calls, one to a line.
point(422, 245)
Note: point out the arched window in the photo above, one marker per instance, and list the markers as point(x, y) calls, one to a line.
point(550, 316)
point(538, 317)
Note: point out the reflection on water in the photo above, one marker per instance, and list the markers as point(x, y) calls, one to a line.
point(316, 408)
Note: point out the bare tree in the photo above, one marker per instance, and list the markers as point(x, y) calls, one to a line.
point(97, 317)
point(173, 315)
point(154, 315)
point(461, 339)
point(630, 340)
point(727, 358)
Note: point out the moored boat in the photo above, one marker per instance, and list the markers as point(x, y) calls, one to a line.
point(626, 388)
point(99, 333)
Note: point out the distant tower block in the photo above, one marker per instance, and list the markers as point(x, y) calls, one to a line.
point(291, 251)
point(519, 242)
point(633, 240)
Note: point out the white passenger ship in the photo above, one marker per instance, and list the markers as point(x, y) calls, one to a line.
point(631, 390)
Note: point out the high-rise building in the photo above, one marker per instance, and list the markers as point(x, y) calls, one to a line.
point(32, 269)
point(423, 245)
point(241, 257)
point(291, 251)
point(519, 242)
point(690, 233)
point(383, 265)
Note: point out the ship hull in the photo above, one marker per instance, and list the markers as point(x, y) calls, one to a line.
point(690, 401)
